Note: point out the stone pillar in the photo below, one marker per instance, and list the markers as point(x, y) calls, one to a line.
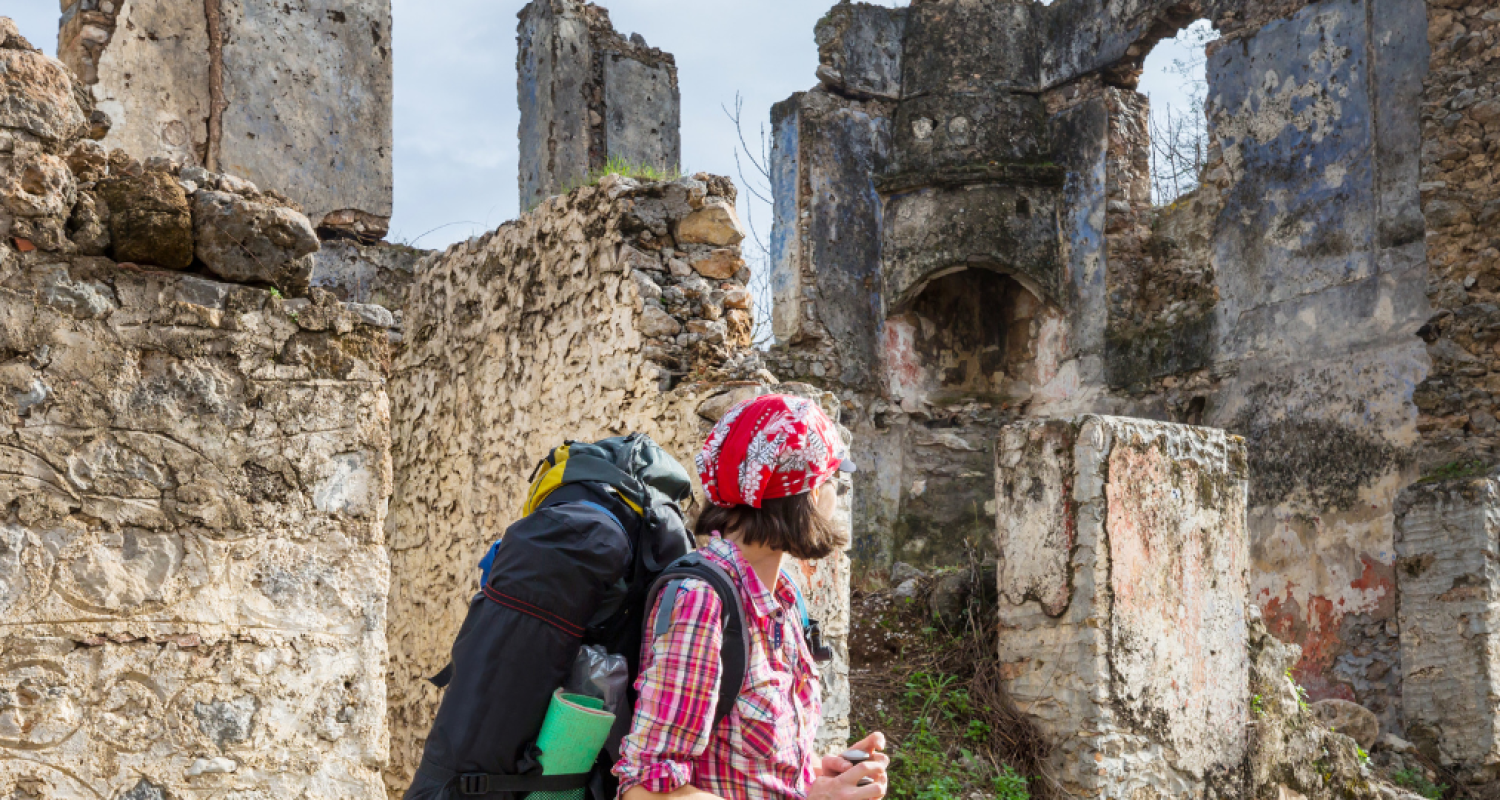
point(588, 96)
point(293, 96)
point(1447, 545)
point(1123, 592)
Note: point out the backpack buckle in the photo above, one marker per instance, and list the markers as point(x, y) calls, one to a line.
point(474, 783)
point(821, 652)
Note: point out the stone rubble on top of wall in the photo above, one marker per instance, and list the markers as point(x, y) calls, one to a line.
point(683, 251)
point(295, 95)
point(62, 192)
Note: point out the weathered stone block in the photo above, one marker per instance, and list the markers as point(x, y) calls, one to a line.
point(36, 96)
point(193, 579)
point(307, 102)
point(252, 242)
point(150, 220)
point(356, 273)
point(715, 224)
point(859, 50)
point(1123, 584)
point(1447, 543)
point(148, 67)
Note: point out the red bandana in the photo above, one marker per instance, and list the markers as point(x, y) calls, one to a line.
point(768, 447)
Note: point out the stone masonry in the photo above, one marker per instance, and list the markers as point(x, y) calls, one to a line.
point(193, 571)
point(964, 237)
point(590, 96)
point(197, 82)
point(1448, 542)
point(599, 313)
point(1124, 560)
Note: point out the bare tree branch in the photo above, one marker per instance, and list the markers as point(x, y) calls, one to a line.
point(757, 184)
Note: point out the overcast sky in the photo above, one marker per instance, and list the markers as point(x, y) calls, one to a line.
point(455, 104)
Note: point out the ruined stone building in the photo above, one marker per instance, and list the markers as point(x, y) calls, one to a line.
point(251, 453)
point(255, 453)
point(964, 237)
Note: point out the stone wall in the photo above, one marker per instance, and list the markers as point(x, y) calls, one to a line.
point(295, 95)
point(1448, 539)
point(602, 312)
point(1460, 135)
point(590, 96)
point(193, 570)
point(1124, 557)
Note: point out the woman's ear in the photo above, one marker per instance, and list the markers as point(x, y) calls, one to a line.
point(826, 498)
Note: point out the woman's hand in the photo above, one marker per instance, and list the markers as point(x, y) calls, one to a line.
point(840, 780)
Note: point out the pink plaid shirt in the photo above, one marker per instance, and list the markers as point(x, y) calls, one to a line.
point(764, 748)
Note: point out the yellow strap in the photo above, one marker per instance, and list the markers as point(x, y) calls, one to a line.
point(548, 481)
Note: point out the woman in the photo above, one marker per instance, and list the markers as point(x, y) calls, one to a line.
point(771, 471)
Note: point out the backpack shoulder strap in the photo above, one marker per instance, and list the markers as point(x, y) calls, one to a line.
point(801, 601)
point(734, 653)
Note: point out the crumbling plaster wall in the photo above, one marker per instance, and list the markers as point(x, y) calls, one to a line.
point(193, 570)
point(295, 95)
point(1296, 326)
point(590, 316)
point(1281, 301)
point(1123, 581)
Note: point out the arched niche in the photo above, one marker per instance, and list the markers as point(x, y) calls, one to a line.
point(970, 334)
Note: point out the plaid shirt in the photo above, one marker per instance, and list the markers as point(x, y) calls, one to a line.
point(764, 748)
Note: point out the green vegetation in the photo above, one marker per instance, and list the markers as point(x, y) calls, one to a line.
point(1301, 692)
point(1455, 470)
point(625, 169)
point(1257, 706)
point(934, 688)
point(1416, 781)
point(276, 293)
point(923, 764)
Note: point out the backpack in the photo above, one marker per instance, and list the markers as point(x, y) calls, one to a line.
point(603, 535)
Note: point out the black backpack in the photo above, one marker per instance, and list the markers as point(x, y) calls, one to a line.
point(603, 535)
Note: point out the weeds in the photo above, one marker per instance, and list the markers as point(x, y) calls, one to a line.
point(1257, 706)
point(952, 732)
point(1302, 697)
point(1416, 781)
point(1454, 470)
point(625, 169)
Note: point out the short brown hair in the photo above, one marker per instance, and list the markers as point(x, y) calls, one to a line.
point(790, 524)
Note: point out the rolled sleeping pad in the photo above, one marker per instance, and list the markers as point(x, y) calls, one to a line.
point(571, 737)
